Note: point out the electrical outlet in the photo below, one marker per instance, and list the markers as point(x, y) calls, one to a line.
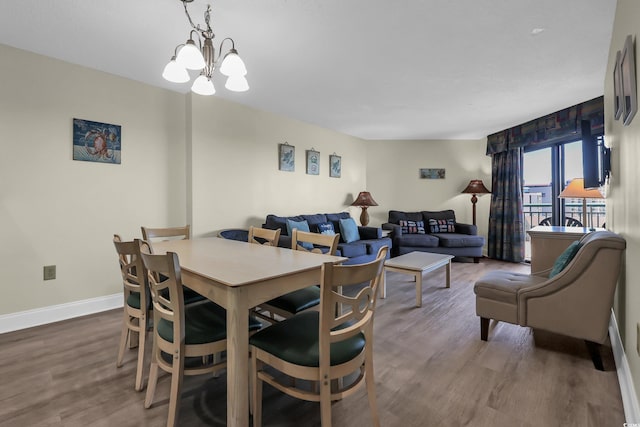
point(49, 272)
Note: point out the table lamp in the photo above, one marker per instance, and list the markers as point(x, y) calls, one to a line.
point(576, 190)
point(475, 187)
point(364, 200)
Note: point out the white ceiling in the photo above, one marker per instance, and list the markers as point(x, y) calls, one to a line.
point(375, 69)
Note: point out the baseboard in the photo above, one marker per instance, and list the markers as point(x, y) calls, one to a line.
point(55, 313)
point(627, 389)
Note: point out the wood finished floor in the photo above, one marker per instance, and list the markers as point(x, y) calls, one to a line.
point(431, 368)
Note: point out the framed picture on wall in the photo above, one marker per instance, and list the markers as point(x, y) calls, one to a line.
point(617, 88)
point(628, 81)
point(96, 141)
point(286, 157)
point(335, 166)
point(313, 162)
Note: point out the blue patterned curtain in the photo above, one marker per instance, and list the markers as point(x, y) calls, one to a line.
point(506, 220)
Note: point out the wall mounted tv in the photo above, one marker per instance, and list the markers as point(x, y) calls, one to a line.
point(596, 162)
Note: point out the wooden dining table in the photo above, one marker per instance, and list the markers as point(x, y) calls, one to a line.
point(240, 276)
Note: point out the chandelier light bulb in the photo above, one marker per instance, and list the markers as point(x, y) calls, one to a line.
point(174, 73)
point(203, 86)
point(237, 84)
point(232, 65)
point(190, 56)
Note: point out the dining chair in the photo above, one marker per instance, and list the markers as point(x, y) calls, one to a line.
point(264, 236)
point(136, 308)
point(325, 345)
point(150, 233)
point(196, 331)
point(295, 302)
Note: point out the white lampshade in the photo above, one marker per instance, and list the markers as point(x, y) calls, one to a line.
point(232, 65)
point(203, 86)
point(237, 84)
point(190, 56)
point(173, 72)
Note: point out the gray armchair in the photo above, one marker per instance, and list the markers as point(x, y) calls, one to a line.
point(575, 302)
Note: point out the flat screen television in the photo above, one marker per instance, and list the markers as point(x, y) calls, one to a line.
point(595, 158)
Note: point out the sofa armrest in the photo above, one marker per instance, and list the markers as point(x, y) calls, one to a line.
point(367, 233)
point(396, 230)
point(466, 229)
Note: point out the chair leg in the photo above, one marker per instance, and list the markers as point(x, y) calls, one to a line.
point(153, 381)
point(371, 387)
point(256, 391)
point(141, 345)
point(594, 352)
point(176, 386)
point(484, 328)
point(325, 403)
point(124, 335)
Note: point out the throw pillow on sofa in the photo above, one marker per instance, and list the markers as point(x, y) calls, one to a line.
point(442, 225)
point(302, 226)
point(412, 227)
point(349, 230)
point(326, 228)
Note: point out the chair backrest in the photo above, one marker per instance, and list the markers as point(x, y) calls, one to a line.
point(164, 273)
point(578, 300)
point(132, 269)
point(149, 233)
point(343, 316)
point(568, 222)
point(299, 237)
point(264, 236)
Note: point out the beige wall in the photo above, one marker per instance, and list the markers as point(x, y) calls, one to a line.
point(392, 178)
point(236, 181)
point(623, 203)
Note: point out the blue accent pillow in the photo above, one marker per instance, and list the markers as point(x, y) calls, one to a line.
point(326, 228)
point(349, 230)
point(302, 226)
point(565, 258)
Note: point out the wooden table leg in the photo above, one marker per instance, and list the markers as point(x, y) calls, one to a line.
point(449, 274)
point(237, 359)
point(418, 277)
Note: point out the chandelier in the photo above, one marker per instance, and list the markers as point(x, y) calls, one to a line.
point(189, 56)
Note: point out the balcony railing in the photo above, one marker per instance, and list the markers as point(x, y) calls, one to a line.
point(536, 212)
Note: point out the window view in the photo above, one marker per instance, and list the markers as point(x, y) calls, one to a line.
point(546, 173)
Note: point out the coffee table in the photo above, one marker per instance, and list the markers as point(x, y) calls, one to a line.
point(416, 264)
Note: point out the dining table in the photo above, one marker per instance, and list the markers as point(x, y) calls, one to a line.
point(239, 276)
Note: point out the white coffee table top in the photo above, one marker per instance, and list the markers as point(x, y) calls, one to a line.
point(419, 261)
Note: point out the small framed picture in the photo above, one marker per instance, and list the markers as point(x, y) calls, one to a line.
point(313, 162)
point(335, 166)
point(617, 88)
point(628, 81)
point(96, 141)
point(429, 173)
point(286, 157)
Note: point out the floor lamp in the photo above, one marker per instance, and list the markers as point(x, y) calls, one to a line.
point(576, 190)
point(475, 187)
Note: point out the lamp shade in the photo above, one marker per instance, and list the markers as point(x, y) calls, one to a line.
point(237, 84)
point(476, 187)
point(576, 189)
point(203, 86)
point(190, 57)
point(233, 65)
point(175, 73)
point(364, 199)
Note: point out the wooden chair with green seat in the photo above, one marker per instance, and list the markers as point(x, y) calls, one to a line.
point(151, 234)
point(303, 299)
point(323, 346)
point(264, 236)
point(196, 331)
point(136, 307)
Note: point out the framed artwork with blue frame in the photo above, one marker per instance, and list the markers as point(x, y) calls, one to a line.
point(96, 141)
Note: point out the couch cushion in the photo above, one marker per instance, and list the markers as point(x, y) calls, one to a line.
point(417, 240)
point(374, 245)
point(565, 258)
point(442, 225)
point(396, 216)
point(446, 214)
point(352, 249)
point(504, 285)
point(302, 226)
point(273, 222)
point(455, 240)
point(314, 220)
point(411, 227)
point(349, 230)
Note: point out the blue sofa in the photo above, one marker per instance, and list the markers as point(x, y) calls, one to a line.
point(358, 252)
point(412, 231)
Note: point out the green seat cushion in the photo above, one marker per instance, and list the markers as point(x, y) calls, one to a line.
point(133, 300)
point(565, 258)
point(296, 341)
point(297, 301)
point(189, 295)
